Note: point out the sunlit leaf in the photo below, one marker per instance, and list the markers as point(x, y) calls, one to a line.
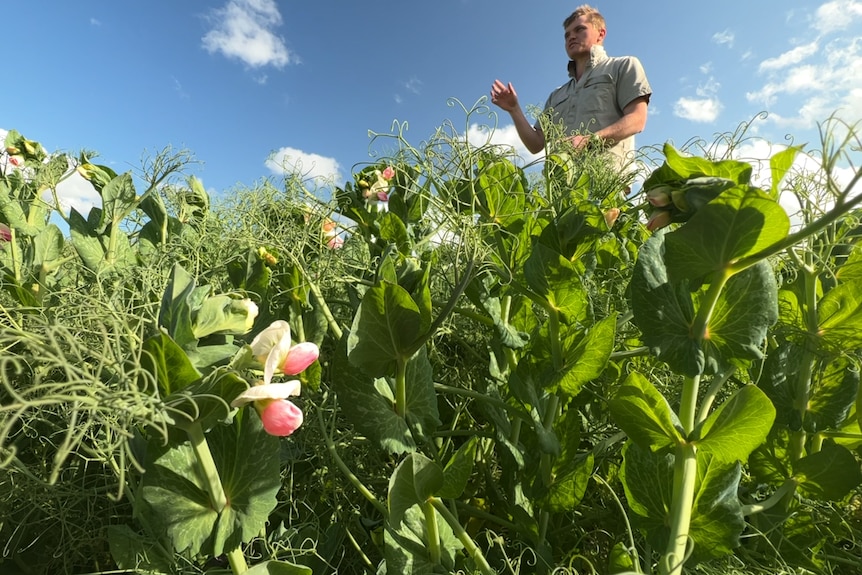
point(643, 413)
point(738, 426)
point(738, 223)
point(385, 326)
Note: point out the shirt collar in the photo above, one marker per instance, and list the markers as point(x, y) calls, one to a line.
point(597, 54)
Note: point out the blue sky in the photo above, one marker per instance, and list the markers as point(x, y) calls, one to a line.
point(249, 85)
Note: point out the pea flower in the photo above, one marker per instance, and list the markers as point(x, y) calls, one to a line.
point(658, 219)
point(279, 415)
point(330, 234)
point(5, 233)
point(272, 348)
point(611, 216)
point(379, 190)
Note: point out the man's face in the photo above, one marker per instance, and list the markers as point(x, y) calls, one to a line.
point(581, 36)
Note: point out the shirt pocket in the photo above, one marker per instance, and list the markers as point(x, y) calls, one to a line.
point(598, 94)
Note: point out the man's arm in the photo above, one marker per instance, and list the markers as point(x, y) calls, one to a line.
point(505, 97)
point(633, 122)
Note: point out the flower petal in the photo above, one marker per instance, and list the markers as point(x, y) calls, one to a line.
point(281, 418)
point(300, 357)
point(268, 391)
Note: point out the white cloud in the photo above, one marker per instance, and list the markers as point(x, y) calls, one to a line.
point(830, 83)
point(244, 29)
point(507, 136)
point(725, 37)
point(837, 15)
point(309, 166)
point(789, 58)
point(76, 192)
point(706, 106)
point(698, 109)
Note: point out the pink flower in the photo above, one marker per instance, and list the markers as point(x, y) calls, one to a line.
point(382, 196)
point(658, 220)
point(335, 242)
point(5, 233)
point(611, 216)
point(279, 415)
point(388, 173)
point(659, 196)
point(272, 348)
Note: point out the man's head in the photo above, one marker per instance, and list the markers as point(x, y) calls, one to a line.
point(585, 27)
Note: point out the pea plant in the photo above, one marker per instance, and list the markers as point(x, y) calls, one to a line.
point(456, 363)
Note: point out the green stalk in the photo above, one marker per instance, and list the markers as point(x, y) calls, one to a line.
point(212, 482)
point(433, 532)
point(787, 488)
point(401, 388)
point(208, 469)
point(684, 475)
point(351, 477)
point(469, 545)
point(799, 437)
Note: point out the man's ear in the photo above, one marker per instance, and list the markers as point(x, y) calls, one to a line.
point(602, 33)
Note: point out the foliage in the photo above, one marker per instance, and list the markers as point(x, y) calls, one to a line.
point(515, 375)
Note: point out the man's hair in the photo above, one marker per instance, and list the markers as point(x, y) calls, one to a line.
point(593, 16)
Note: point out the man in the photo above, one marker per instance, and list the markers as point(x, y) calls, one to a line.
point(605, 101)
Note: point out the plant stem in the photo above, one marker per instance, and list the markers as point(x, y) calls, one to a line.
point(684, 475)
point(209, 472)
point(786, 489)
point(433, 532)
point(333, 452)
point(213, 484)
point(236, 559)
point(401, 387)
point(465, 539)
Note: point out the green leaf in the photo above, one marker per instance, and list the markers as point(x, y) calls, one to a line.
point(678, 167)
point(47, 248)
point(738, 223)
point(738, 426)
point(370, 405)
point(746, 309)
point(384, 328)
point(716, 518)
point(583, 356)
point(414, 480)
point(569, 484)
point(207, 401)
point(247, 459)
point(223, 314)
point(86, 241)
point(422, 414)
point(771, 462)
point(834, 388)
point(137, 553)
point(554, 278)
point(779, 165)
point(405, 548)
point(502, 186)
point(168, 363)
point(830, 474)
point(644, 414)
point(664, 312)
point(840, 315)
point(118, 200)
point(393, 230)
point(458, 469)
point(175, 314)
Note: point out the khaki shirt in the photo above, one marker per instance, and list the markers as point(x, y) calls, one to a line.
point(597, 100)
